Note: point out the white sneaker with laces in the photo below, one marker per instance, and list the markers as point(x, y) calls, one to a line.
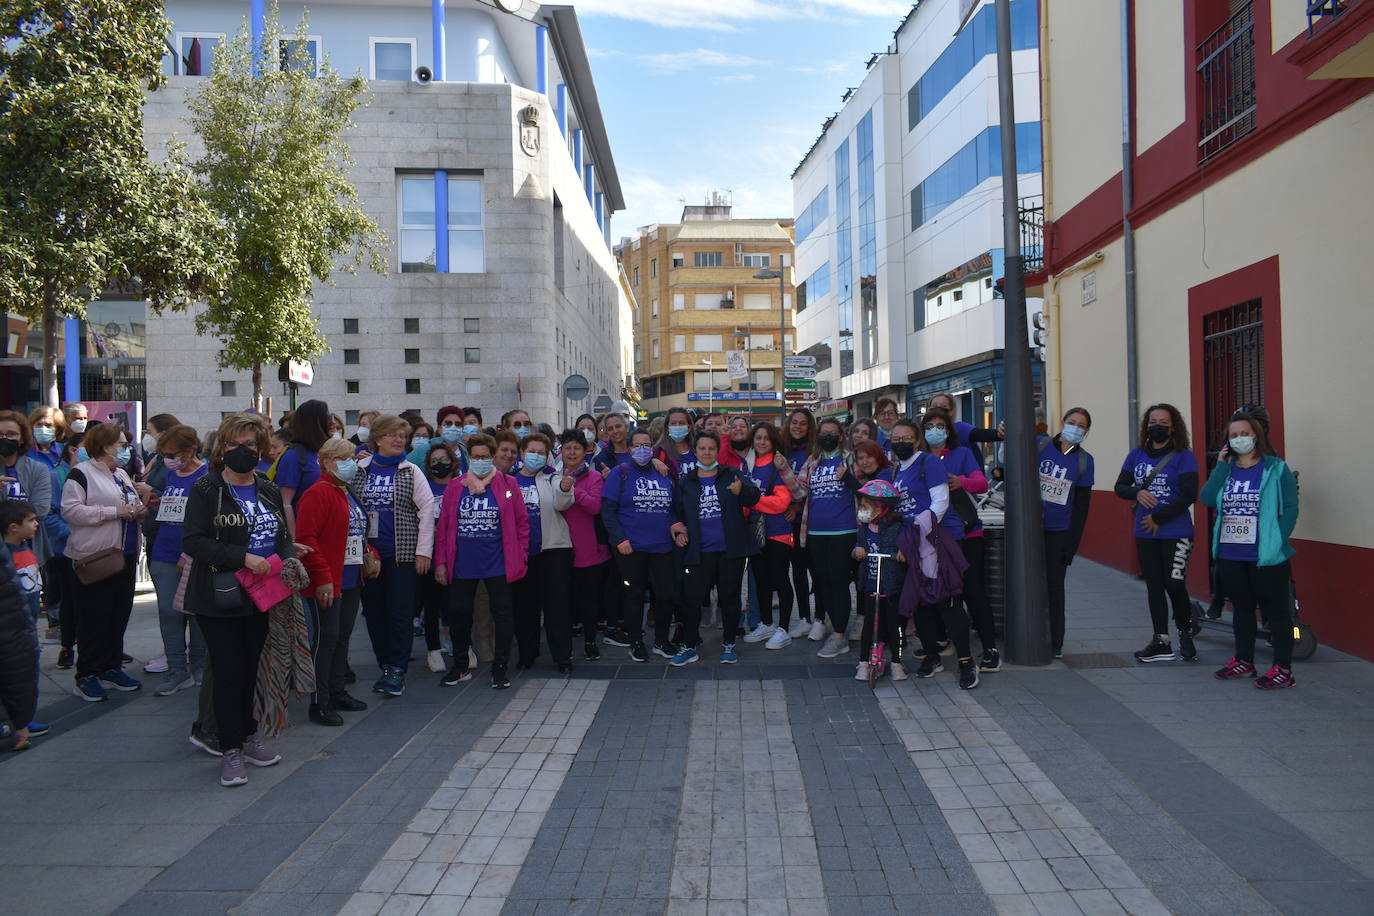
point(760, 633)
point(835, 645)
point(779, 640)
point(799, 628)
point(861, 672)
point(819, 629)
point(897, 671)
point(855, 630)
point(436, 662)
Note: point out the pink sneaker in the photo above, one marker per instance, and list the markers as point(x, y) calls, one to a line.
point(256, 754)
point(1234, 670)
point(157, 665)
point(1276, 679)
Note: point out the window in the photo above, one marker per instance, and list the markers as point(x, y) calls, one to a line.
point(677, 260)
point(298, 55)
point(707, 259)
point(350, 418)
point(472, 386)
point(639, 355)
point(392, 58)
point(757, 260)
point(636, 276)
point(679, 301)
point(975, 41)
point(415, 204)
point(412, 356)
point(1232, 362)
point(758, 300)
point(412, 386)
point(762, 380)
point(822, 351)
point(472, 354)
point(979, 160)
point(655, 348)
point(708, 343)
point(653, 267)
point(702, 380)
point(196, 52)
point(784, 260)
point(706, 301)
point(351, 386)
point(868, 242)
point(411, 325)
point(918, 310)
point(958, 295)
point(815, 212)
point(350, 325)
point(679, 343)
point(472, 325)
point(844, 260)
point(760, 342)
point(227, 389)
point(814, 286)
point(351, 357)
point(653, 308)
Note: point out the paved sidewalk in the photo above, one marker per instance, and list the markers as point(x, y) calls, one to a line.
point(778, 785)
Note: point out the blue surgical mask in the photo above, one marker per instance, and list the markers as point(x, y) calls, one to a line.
point(708, 467)
point(677, 433)
point(470, 430)
point(1242, 445)
point(123, 455)
point(534, 462)
point(935, 436)
point(451, 434)
point(521, 432)
point(641, 454)
point(44, 436)
point(346, 469)
point(82, 455)
point(1072, 434)
point(480, 467)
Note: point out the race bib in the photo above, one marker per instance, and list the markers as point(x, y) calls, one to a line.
point(353, 550)
point(1054, 490)
point(438, 505)
point(1239, 529)
point(372, 524)
point(172, 509)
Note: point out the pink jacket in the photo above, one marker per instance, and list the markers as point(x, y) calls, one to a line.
point(92, 511)
point(515, 525)
point(581, 519)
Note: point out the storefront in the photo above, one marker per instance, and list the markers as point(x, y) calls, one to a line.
point(976, 385)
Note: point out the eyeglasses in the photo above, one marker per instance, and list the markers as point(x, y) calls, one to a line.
point(908, 439)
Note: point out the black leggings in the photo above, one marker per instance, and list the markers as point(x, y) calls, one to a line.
point(975, 595)
point(929, 617)
point(832, 568)
point(60, 569)
point(1056, 568)
point(889, 626)
point(103, 610)
point(771, 570)
point(648, 574)
point(803, 574)
point(1164, 564)
point(1251, 586)
point(431, 595)
point(234, 645)
point(726, 575)
point(460, 595)
point(589, 586)
point(545, 592)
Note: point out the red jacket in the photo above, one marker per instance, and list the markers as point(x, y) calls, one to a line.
point(515, 525)
point(322, 523)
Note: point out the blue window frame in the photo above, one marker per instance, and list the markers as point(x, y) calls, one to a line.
point(977, 40)
point(814, 214)
point(979, 160)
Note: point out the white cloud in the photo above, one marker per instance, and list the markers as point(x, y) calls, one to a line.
point(677, 61)
point(727, 78)
point(727, 15)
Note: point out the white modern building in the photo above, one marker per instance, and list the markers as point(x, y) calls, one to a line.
point(899, 209)
point(485, 114)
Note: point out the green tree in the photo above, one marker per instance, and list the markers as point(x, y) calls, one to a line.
point(81, 203)
point(276, 170)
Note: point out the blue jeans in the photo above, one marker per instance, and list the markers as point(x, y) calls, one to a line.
point(389, 609)
point(181, 656)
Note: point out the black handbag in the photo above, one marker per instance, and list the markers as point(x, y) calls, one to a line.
point(962, 504)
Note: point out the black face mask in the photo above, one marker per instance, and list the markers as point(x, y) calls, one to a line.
point(739, 445)
point(241, 460)
point(1158, 434)
point(9, 448)
point(903, 450)
point(828, 442)
point(441, 468)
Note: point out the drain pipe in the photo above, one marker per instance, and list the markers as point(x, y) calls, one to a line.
point(1127, 231)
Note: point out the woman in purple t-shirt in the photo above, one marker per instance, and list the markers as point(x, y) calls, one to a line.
point(179, 448)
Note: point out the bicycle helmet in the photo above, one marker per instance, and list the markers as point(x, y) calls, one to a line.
point(880, 491)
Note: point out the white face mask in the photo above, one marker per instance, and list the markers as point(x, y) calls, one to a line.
point(149, 443)
point(364, 434)
point(78, 426)
point(865, 515)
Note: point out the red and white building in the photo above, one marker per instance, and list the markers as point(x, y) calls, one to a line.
point(1248, 158)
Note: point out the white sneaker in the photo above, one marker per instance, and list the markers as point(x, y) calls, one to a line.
point(799, 628)
point(861, 672)
point(897, 671)
point(779, 640)
point(855, 630)
point(835, 645)
point(436, 662)
point(760, 633)
point(819, 629)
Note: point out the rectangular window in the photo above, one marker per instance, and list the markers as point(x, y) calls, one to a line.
point(298, 55)
point(415, 206)
point(351, 357)
point(653, 267)
point(679, 343)
point(412, 386)
point(814, 214)
point(227, 389)
point(918, 310)
point(679, 301)
point(350, 417)
point(350, 325)
point(758, 300)
point(472, 325)
point(757, 260)
point(636, 276)
point(975, 41)
point(1232, 362)
point(196, 52)
point(653, 308)
point(472, 386)
point(979, 160)
point(707, 343)
point(677, 260)
point(466, 245)
point(350, 386)
point(702, 380)
point(412, 355)
point(392, 58)
point(411, 325)
point(762, 379)
point(706, 259)
point(706, 301)
point(655, 349)
point(472, 354)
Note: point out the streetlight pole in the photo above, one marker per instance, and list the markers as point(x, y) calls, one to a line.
point(710, 385)
point(781, 276)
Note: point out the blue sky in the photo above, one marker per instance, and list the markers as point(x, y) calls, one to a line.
point(702, 95)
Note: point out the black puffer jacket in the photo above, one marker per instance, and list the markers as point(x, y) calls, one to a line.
point(18, 661)
point(215, 536)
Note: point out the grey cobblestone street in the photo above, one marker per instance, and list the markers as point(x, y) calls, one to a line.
point(776, 786)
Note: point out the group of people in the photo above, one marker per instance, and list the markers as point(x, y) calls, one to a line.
point(264, 544)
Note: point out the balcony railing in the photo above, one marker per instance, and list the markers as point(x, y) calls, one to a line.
point(1226, 82)
point(1032, 212)
point(1322, 9)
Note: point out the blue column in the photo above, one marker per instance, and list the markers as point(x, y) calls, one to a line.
point(258, 19)
point(541, 60)
point(577, 150)
point(600, 204)
point(71, 351)
point(441, 221)
point(589, 178)
point(563, 109)
point(440, 41)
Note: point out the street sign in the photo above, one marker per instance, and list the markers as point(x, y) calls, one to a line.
point(603, 402)
point(576, 388)
point(799, 384)
point(798, 362)
point(734, 396)
point(734, 362)
point(799, 373)
point(300, 373)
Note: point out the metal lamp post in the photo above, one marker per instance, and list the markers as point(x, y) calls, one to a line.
point(710, 385)
point(781, 276)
